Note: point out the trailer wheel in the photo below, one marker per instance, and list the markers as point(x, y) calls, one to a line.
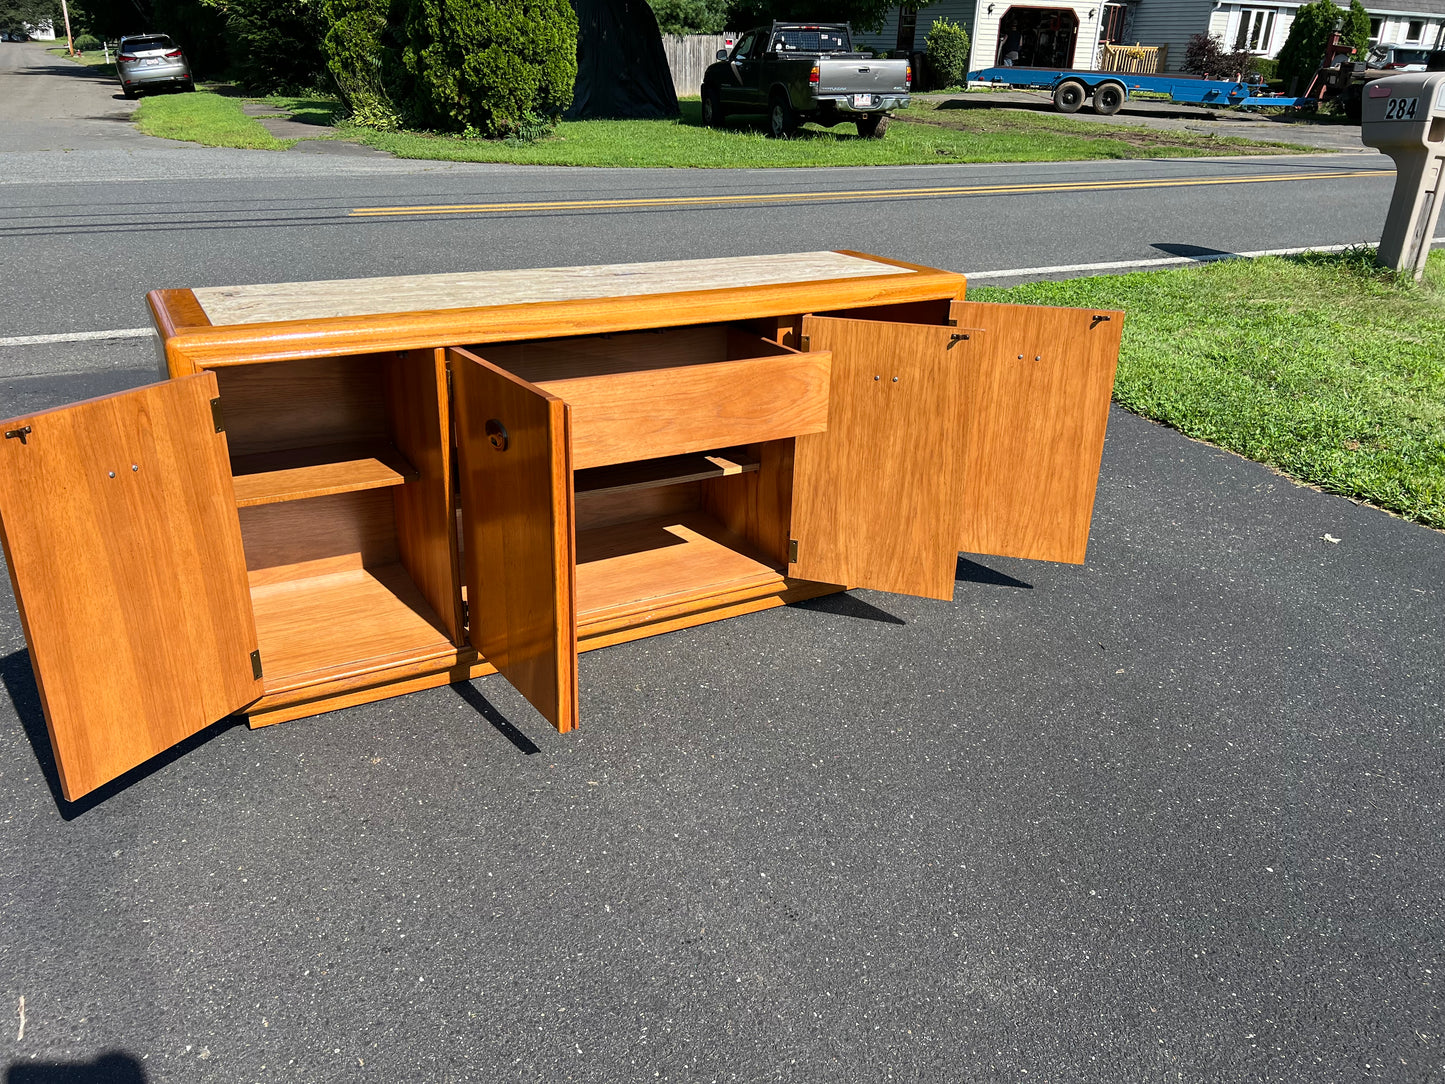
point(1069, 96)
point(1108, 99)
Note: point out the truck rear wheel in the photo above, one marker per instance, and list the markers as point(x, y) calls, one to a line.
point(712, 107)
point(1108, 99)
point(782, 121)
point(1069, 96)
point(873, 126)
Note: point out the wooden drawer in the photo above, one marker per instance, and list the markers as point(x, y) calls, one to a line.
point(654, 394)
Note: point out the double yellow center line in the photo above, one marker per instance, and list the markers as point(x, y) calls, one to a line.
point(643, 202)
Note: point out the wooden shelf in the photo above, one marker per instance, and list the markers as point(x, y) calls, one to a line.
point(668, 471)
point(295, 474)
point(632, 568)
point(366, 617)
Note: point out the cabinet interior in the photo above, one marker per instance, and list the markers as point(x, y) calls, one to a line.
point(339, 467)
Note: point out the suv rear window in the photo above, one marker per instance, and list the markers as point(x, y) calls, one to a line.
point(155, 41)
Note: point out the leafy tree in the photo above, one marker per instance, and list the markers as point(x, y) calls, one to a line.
point(494, 67)
point(363, 55)
point(1309, 35)
point(18, 14)
point(275, 44)
point(1356, 29)
point(690, 16)
point(866, 15)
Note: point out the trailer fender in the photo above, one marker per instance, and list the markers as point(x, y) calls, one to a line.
point(1109, 98)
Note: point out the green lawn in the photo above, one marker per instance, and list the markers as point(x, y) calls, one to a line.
point(1321, 365)
point(922, 134)
point(201, 117)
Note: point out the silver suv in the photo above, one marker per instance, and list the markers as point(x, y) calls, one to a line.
point(147, 61)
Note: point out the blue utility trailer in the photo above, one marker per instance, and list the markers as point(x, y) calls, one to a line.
point(1072, 87)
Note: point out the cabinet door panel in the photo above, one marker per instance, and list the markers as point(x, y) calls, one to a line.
point(518, 536)
point(120, 529)
point(875, 497)
point(1039, 382)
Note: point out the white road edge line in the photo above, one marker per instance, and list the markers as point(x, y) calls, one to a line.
point(79, 336)
point(1017, 272)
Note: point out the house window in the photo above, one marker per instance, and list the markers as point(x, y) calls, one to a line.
point(1416, 29)
point(1256, 30)
point(1375, 29)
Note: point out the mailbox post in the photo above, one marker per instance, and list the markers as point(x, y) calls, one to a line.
point(1404, 116)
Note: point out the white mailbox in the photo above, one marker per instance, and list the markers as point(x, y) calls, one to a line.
point(1404, 116)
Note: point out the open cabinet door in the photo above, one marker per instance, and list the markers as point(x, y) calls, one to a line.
point(119, 523)
point(1039, 382)
point(514, 447)
point(876, 496)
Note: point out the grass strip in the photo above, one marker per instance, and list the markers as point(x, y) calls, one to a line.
point(922, 134)
point(1322, 365)
point(205, 118)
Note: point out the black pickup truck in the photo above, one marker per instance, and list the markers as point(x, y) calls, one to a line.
point(794, 72)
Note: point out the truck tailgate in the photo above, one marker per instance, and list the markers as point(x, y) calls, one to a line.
point(862, 76)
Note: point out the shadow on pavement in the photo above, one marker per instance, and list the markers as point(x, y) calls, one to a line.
point(19, 680)
point(468, 692)
point(845, 605)
point(1192, 252)
point(973, 572)
point(108, 1068)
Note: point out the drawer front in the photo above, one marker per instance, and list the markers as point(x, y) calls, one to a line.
point(625, 416)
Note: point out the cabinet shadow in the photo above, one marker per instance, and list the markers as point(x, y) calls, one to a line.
point(973, 572)
point(109, 1068)
point(847, 605)
point(468, 692)
point(19, 680)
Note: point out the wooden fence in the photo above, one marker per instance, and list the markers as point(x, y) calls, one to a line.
point(1133, 59)
point(688, 56)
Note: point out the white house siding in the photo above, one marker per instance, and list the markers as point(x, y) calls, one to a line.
point(1171, 23)
point(983, 27)
point(1157, 22)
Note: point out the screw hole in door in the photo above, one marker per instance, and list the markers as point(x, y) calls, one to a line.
point(496, 434)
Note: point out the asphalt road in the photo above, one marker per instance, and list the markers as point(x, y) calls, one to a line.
point(1174, 814)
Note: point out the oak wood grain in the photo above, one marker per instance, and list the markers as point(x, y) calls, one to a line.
point(638, 566)
point(646, 415)
point(419, 411)
point(603, 508)
point(344, 624)
point(271, 408)
point(120, 531)
point(670, 470)
point(1039, 383)
point(876, 499)
point(758, 506)
point(518, 527)
point(298, 540)
point(295, 474)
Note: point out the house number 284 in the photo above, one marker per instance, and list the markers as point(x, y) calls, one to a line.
point(1401, 108)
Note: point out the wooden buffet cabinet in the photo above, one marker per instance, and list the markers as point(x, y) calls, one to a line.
point(349, 490)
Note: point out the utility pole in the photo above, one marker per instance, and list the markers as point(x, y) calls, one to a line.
point(69, 41)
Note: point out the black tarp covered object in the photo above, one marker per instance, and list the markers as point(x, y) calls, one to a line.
point(621, 68)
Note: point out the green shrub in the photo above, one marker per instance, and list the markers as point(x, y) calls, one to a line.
point(690, 16)
point(498, 68)
point(947, 54)
point(276, 46)
point(87, 44)
point(1304, 49)
point(1268, 69)
point(364, 61)
point(1355, 30)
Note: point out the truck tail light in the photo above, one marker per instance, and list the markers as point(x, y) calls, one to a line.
point(909, 78)
point(813, 76)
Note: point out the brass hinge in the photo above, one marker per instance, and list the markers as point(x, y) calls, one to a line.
point(792, 551)
point(256, 665)
point(216, 415)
